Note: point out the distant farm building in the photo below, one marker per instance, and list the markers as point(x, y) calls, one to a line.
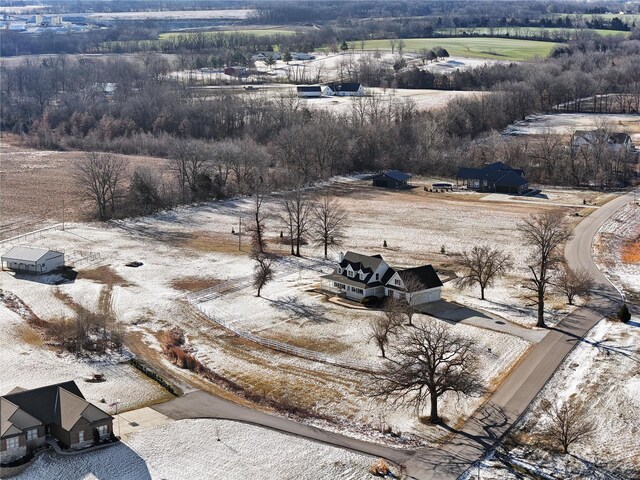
point(392, 179)
point(344, 90)
point(309, 91)
point(358, 276)
point(497, 177)
point(32, 259)
point(236, 71)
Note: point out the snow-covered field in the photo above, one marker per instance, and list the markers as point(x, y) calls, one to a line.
point(602, 371)
point(30, 365)
point(215, 449)
point(194, 245)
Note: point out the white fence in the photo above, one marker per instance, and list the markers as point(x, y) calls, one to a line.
point(29, 236)
point(290, 265)
point(285, 347)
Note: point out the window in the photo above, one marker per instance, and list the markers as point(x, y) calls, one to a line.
point(350, 273)
point(103, 431)
point(12, 443)
point(81, 436)
point(377, 275)
point(339, 269)
point(396, 281)
point(32, 434)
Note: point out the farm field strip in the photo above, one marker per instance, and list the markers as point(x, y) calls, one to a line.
point(474, 47)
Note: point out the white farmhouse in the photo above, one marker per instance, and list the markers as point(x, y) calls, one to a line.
point(358, 276)
point(32, 259)
point(352, 89)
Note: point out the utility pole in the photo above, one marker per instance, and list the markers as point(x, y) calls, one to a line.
point(240, 234)
point(63, 214)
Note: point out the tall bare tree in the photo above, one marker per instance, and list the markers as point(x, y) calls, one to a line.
point(545, 233)
point(431, 360)
point(100, 177)
point(571, 421)
point(296, 215)
point(573, 283)
point(190, 163)
point(481, 266)
point(328, 222)
point(257, 228)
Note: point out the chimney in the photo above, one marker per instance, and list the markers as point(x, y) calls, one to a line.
point(341, 257)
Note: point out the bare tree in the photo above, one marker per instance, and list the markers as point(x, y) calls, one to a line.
point(481, 266)
point(100, 177)
point(431, 360)
point(545, 233)
point(297, 216)
point(401, 45)
point(257, 228)
point(262, 271)
point(328, 222)
point(570, 422)
point(393, 43)
point(381, 328)
point(190, 160)
point(412, 284)
point(548, 150)
point(573, 283)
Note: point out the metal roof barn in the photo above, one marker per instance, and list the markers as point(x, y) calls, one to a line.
point(32, 259)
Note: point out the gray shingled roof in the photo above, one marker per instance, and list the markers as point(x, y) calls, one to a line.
point(61, 404)
point(426, 277)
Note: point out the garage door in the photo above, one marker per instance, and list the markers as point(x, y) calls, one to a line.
point(424, 297)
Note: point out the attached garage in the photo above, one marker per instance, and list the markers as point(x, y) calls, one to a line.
point(32, 259)
point(431, 295)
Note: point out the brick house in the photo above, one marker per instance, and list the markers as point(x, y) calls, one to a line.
point(60, 410)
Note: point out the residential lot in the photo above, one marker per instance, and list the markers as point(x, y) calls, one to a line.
point(192, 248)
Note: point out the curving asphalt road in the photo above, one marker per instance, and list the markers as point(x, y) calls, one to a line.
point(515, 394)
point(490, 422)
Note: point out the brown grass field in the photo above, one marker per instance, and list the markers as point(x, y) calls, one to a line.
point(38, 188)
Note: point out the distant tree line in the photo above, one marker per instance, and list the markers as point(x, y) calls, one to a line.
point(219, 142)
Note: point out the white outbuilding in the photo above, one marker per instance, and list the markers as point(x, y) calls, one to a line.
point(32, 259)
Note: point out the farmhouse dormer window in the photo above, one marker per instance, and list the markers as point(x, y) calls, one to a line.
point(339, 269)
point(396, 281)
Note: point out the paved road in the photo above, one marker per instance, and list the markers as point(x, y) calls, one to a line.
point(488, 424)
point(202, 405)
point(519, 389)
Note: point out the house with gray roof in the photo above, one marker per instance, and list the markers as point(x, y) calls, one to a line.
point(59, 410)
point(496, 177)
point(357, 276)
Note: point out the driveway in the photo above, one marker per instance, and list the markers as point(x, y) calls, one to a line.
point(456, 313)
